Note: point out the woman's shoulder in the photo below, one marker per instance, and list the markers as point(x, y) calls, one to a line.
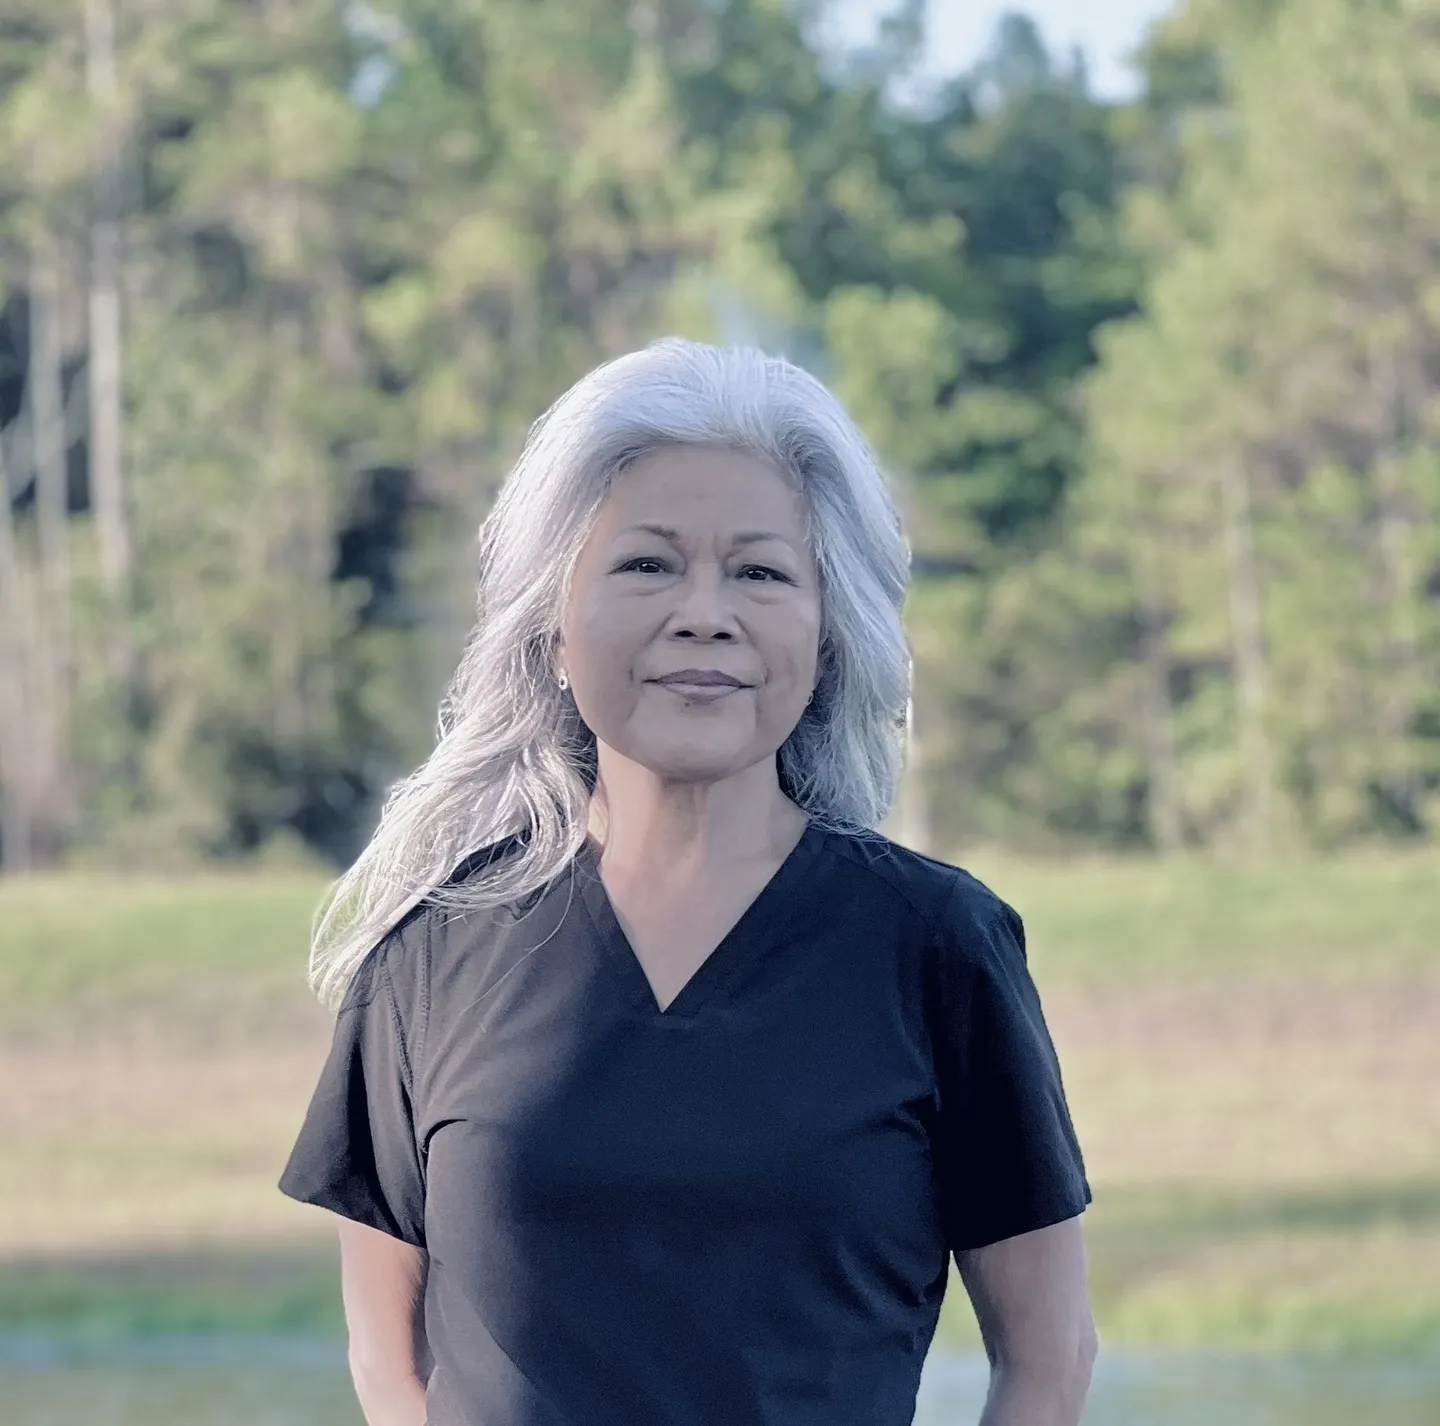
point(399, 961)
point(476, 863)
point(393, 966)
point(468, 922)
point(943, 898)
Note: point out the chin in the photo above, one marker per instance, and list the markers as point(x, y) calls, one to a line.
point(693, 764)
point(706, 755)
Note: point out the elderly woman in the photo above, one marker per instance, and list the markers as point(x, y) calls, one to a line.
point(663, 1086)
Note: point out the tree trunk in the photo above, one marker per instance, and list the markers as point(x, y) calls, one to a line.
point(47, 427)
point(50, 447)
point(1157, 713)
point(302, 552)
point(16, 761)
point(908, 821)
point(915, 828)
point(106, 475)
point(1248, 648)
point(107, 490)
point(108, 494)
point(1397, 689)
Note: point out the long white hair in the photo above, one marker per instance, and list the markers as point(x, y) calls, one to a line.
point(513, 758)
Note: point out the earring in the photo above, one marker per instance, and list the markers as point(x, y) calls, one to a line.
point(564, 682)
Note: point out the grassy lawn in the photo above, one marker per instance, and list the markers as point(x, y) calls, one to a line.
point(1113, 921)
point(103, 940)
point(1250, 1055)
point(70, 946)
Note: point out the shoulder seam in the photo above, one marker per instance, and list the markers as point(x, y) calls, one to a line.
point(932, 921)
point(398, 1026)
point(422, 913)
point(422, 1012)
point(352, 1000)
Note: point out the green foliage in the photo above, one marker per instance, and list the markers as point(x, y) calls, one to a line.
point(1285, 336)
point(1151, 381)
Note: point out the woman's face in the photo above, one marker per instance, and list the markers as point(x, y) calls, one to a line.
point(724, 580)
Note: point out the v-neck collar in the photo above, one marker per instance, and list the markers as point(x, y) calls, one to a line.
point(743, 943)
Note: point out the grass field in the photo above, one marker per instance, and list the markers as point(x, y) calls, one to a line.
point(1252, 1057)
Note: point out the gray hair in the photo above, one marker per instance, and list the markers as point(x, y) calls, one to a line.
point(513, 758)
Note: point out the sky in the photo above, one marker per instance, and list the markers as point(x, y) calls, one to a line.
point(960, 29)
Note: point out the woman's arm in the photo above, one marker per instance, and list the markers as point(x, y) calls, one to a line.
point(382, 1284)
point(1032, 1303)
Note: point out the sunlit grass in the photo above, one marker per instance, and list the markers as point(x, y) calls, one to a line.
point(103, 940)
point(1103, 920)
point(98, 937)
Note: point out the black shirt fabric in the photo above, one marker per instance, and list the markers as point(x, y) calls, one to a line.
point(736, 1211)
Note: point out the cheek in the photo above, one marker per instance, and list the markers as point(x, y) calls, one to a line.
point(599, 630)
point(794, 646)
point(607, 659)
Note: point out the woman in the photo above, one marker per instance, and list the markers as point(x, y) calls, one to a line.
point(662, 1084)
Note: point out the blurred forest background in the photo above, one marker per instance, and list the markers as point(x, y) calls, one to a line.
point(283, 283)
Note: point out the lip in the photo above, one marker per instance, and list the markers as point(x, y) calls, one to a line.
point(700, 692)
point(700, 678)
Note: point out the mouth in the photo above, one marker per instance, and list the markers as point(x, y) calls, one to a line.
point(706, 691)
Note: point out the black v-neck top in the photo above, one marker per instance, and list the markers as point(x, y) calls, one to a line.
point(736, 1211)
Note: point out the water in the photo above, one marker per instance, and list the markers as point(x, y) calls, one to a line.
point(266, 1381)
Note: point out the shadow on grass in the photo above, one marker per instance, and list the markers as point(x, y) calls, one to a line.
point(232, 1289)
point(1149, 1217)
point(1409, 1204)
point(1131, 1234)
point(1135, 1236)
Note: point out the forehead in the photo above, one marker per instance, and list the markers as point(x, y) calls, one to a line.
point(705, 485)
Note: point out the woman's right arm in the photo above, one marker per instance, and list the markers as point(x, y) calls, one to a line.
point(382, 1285)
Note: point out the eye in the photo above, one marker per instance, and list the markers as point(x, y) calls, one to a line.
point(635, 560)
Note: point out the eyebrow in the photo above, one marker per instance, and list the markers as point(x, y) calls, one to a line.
point(744, 537)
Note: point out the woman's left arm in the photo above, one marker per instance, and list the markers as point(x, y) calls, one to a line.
point(1032, 1303)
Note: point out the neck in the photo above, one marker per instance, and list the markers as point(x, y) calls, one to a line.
point(645, 823)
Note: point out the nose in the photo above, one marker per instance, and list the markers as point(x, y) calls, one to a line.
point(704, 604)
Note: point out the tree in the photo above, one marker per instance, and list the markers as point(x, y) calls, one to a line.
point(1296, 310)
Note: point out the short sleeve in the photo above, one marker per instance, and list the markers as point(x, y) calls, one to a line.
point(1006, 1153)
point(357, 1151)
